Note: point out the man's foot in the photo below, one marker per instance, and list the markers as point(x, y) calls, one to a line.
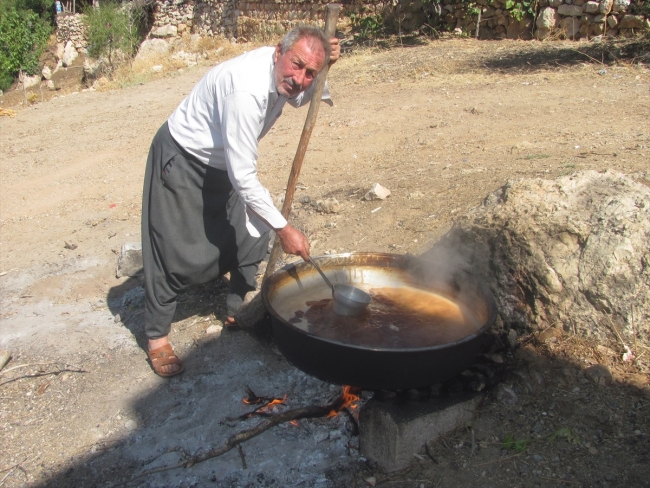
point(164, 361)
point(230, 323)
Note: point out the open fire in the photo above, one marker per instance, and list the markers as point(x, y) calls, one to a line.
point(348, 398)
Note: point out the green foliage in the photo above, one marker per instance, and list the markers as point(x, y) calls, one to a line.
point(366, 26)
point(516, 445)
point(112, 27)
point(23, 37)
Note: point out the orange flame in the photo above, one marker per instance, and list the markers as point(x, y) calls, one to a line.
point(349, 396)
point(276, 401)
point(294, 422)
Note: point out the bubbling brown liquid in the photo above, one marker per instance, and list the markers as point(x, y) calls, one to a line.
point(397, 318)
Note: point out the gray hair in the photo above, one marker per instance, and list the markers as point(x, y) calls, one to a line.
point(306, 31)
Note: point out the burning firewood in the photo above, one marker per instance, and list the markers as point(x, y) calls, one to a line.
point(347, 399)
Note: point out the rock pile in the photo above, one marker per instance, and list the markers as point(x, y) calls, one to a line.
point(583, 19)
point(571, 252)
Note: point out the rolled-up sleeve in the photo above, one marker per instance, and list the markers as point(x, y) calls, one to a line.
point(241, 116)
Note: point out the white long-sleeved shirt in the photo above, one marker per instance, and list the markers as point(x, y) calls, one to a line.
point(222, 119)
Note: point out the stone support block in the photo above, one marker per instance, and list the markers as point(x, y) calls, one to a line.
point(129, 262)
point(393, 431)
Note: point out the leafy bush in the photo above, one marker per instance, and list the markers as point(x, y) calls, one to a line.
point(112, 27)
point(23, 37)
point(366, 26)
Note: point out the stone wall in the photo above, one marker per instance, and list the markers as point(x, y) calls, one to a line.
point(269, 19)
point(69, 27)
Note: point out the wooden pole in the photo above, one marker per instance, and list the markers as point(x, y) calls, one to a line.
point(330, 29)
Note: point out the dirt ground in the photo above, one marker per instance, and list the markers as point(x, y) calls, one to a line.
point(441, 125)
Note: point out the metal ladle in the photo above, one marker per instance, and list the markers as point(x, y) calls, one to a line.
point(348, 299)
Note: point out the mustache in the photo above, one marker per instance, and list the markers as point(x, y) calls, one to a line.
point(292, 83)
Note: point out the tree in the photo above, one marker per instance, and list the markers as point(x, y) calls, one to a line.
point(23, 37)
point(112, 27)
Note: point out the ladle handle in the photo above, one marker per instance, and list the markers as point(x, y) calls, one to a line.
point(313, 263)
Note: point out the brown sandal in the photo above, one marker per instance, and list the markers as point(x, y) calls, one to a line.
point(164, 356)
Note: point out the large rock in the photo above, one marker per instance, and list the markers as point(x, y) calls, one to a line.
point(547, 19)
point(620, 6)
point(30, 81)
point(606, 6)
point(592, 7)
point(569, 10)
point(631, 22)
point(165, 31)
point(520, 29)
point(152, 48)
point(572, 251)
point(570, 26)
point(69, 54)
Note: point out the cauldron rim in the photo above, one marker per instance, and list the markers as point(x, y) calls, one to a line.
point(270, 281)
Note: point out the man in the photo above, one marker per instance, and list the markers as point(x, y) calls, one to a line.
point(204, 210)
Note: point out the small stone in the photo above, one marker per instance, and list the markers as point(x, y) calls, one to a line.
point(377, 192)
point(305, 199)
point(506, 395)
point(512, 338)
point(213, 329)
point(372, 481)
point(131, 425)
point(549, 335)
point(537, 458)
point(599, 375)
point(593, 450)
point(329, 205)
point(157, 68)
point(538, 428)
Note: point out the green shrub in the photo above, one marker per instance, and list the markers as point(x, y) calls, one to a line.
point(23, 37)
point(112, 27)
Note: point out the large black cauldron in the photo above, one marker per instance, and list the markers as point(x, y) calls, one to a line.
point(374, 368)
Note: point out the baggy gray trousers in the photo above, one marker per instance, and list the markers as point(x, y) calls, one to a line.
point(193, 231)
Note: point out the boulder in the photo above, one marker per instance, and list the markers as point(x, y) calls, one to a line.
point(631, 22)
point(612, 21)
point(570, 26)
point(152, 48)
point(569, 10)
point(95, 69)
point(606, 6)
point(520, 29)
point(547, 19)
point(620, 6)
point(30, 81)
point(542, 33)
point(69, 54)
point(592, 7)
point(165, 31)
point(46, 73)
point(572, 251)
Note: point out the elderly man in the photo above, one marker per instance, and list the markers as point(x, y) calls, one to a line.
point(204, 210)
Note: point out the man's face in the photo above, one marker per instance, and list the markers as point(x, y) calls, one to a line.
point(296, 69)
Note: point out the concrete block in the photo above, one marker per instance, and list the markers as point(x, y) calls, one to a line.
point(393, 431)
point(129, 262)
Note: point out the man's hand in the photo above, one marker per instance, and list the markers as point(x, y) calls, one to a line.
point(293, 241)
point(336, 50)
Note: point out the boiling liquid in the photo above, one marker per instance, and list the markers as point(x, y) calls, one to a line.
point(396, 318)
